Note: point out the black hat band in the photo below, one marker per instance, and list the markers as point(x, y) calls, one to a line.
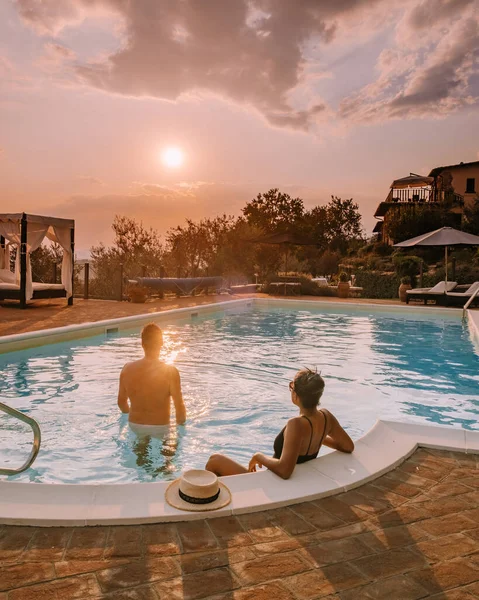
point(193, 500)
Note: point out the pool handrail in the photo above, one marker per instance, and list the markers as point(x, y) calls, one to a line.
point(469, 302)
point(37, 439)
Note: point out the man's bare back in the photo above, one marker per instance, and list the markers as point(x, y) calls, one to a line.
point(150, 384)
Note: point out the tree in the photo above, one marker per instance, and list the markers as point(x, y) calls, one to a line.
point(135, 247)
point(105, 271)
point(333, 227)
point(274, 211)
point(404, 223)
point(328, 263)
point(236, 256)
point(316, 226)
point(195, 248)
point(43, 260)
point(343, 222)
point(471, 217)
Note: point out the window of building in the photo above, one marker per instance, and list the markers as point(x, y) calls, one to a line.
point(470, 185)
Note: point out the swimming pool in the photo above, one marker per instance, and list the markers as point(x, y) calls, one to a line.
point(235, 364)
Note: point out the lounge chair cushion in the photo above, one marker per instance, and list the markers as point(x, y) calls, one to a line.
point(468, 293)
point(472, 288)
point(439, 288)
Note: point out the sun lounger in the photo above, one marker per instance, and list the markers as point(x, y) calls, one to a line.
point(460, 298)
point(437, 293)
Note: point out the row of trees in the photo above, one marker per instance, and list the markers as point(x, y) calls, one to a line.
point(223, 245)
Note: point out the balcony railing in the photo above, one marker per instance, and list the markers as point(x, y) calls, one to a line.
point(424, 195)
point(418, 195)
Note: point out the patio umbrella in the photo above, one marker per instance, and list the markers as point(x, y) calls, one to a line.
point(446, 236)
point(412, 180)
point(285, 239)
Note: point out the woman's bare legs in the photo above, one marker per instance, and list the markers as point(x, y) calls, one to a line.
point(222, 465)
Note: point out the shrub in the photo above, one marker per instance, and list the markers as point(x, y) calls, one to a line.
point(343, 277)
point(367, 249)
point(464, 274)
point(383, 249)
point(325, 290)
point(308, 287)
point(406, 280)
point(328, 262)
point(373, 263)
point(137, 293)
point(378, 285)
point(407, 266)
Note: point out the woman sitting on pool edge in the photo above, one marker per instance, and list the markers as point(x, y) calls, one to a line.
point(302, 437)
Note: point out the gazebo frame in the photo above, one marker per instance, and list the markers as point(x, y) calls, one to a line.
point(20, 294)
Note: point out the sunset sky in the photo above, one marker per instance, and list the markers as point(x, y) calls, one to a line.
point(316, 97)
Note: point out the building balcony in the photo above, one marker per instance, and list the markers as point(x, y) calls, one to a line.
point(449, 200)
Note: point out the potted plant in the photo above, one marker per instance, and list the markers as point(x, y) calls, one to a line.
point(405, 285)
point(137, 294)
point(343, 285)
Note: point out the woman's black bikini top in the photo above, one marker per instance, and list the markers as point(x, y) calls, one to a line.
point(302, 458)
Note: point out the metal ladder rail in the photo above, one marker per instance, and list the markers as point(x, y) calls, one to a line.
point(469, 302)
point(37, 439)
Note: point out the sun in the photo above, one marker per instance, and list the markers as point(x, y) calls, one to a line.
point(172, 157)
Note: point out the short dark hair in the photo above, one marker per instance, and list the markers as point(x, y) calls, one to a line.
point(309, 386)
point(151, 336)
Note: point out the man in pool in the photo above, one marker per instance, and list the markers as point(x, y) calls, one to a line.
point(149, 384)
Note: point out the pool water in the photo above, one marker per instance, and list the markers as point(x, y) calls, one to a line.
point(235, 368)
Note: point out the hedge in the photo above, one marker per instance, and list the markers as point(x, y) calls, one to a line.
point(378, 285)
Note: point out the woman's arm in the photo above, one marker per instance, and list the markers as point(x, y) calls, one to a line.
point(336, 437)
point(284, 466)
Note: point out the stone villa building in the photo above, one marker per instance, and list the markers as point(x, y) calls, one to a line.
point(453, 187)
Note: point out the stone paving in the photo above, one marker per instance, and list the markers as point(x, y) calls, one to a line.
point(411, 534)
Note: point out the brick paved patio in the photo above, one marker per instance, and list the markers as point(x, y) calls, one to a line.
point(413, 533)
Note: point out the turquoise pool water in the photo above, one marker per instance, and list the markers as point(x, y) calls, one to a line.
point(235, 370)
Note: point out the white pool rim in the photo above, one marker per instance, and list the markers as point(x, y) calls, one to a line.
point(380, 450)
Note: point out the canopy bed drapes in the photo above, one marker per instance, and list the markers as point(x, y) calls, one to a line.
point(25, 233)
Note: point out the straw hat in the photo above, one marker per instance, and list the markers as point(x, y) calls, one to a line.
point(197, 490)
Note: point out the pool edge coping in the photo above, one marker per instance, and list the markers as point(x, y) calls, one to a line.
point(384, 447)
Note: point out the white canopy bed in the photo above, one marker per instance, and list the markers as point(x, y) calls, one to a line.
point(26, 233)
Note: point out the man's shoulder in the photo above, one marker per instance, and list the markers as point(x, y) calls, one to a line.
point(172, 370)
point(129, 365)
